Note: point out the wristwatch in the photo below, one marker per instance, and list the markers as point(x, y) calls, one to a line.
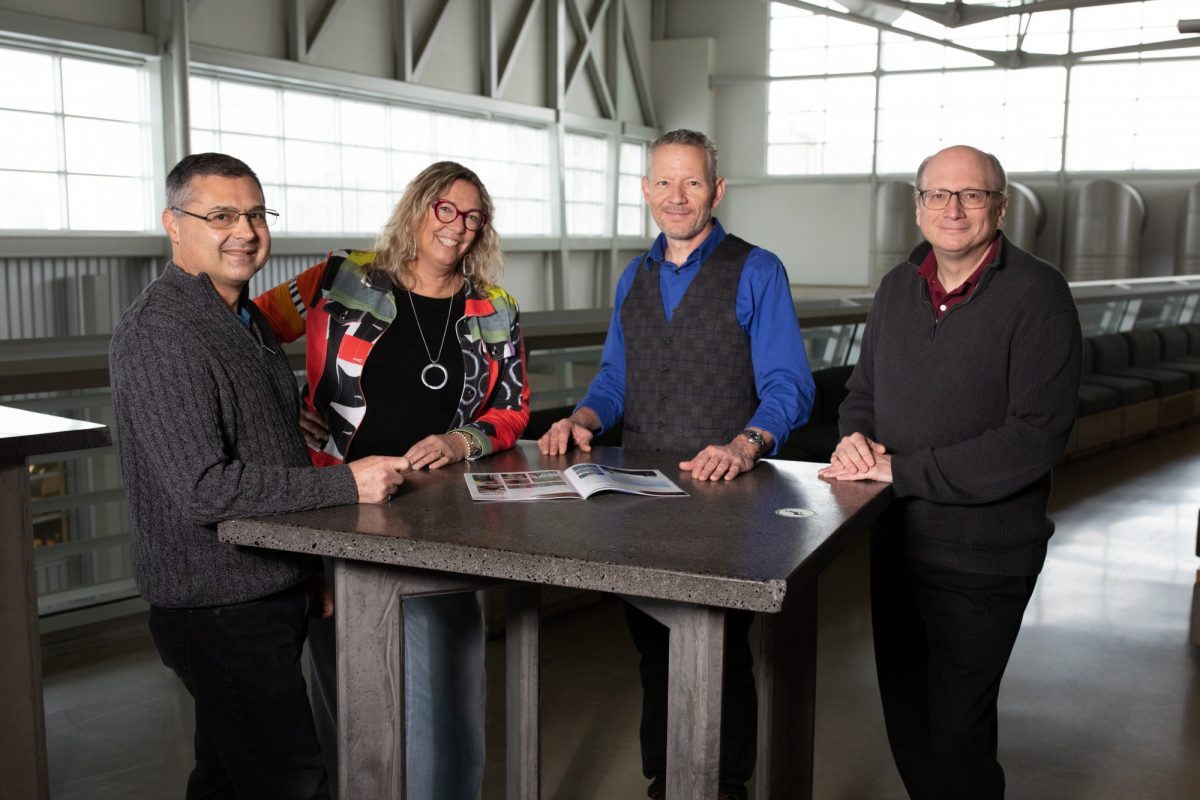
point(755, 438)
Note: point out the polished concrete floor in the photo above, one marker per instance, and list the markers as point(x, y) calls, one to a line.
point(1101, 701)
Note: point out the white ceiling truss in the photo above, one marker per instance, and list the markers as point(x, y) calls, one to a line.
point(881, 14)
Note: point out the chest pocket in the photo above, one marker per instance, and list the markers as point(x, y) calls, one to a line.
point(357, 322)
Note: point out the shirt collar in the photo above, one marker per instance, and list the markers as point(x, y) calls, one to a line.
point(658, 251)
point(927, 269)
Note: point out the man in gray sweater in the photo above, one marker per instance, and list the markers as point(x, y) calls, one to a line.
point(963, 397)
point(207, 412)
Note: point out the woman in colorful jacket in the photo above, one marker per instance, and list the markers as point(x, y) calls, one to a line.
point(420, 329)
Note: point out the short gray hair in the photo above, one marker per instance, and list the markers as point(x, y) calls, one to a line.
point(993, 165)
point(179, 180)
point(688, 138)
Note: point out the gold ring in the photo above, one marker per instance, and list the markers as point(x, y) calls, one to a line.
point(441, 453)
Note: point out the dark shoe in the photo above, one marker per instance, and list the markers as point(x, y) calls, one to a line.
point(661, 794)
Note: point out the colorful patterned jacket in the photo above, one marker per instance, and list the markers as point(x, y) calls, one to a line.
point(344, 308)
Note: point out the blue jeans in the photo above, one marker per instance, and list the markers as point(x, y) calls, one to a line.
point(443, 659)
point(241, 664)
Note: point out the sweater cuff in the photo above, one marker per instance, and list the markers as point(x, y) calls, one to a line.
point(343, 490)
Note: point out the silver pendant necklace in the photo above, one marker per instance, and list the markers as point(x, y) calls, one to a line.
point(433, 367)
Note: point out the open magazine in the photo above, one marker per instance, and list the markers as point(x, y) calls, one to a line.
point(579, 481)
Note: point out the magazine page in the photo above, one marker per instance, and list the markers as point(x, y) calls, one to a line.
point(591, 478)
point(544, 484)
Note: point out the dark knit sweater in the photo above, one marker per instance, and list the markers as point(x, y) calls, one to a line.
point(207, 412)
point(975, 410)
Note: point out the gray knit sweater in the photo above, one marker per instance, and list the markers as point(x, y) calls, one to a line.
point(975, 409)
point(206, 411)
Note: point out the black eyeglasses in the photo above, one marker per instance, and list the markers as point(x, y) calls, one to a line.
point(223, 220)
point(937, 199)
point(447, 212)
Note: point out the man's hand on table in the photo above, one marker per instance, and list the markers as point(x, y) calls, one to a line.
point(377, 477)
point(858, 458)
point(579, 428)
point(724, 461)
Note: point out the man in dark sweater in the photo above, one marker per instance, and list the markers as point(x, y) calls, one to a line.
point(963, 397)
point(207, 411)
point(703, 356)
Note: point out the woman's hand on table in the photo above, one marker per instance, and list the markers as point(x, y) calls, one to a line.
point(313, 428)
point(437, 451)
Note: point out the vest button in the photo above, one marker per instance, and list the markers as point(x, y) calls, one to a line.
point(668, 340)
point(660, 425)
point(664, 368)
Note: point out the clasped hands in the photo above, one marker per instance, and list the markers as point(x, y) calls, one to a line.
point(858, 458)
point(377, 477)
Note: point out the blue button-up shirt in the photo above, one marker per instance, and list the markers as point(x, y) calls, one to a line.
point(764, 310)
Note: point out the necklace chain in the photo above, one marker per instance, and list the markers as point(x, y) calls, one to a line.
point(433, 362)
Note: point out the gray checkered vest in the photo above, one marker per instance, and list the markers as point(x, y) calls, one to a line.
point(689, 381)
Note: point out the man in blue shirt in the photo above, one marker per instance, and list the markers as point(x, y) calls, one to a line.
point(703, 355)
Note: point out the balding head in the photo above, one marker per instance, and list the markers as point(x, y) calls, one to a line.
point(998, 180)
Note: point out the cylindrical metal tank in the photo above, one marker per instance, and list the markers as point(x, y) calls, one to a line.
point(1025, 218)
point(896, 232)
point(1104, 231)
point(1187, 244)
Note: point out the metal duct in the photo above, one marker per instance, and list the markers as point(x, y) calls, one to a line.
point(1187, 243)
point(1025, 218)
point(896, 232)
point(1104, 231)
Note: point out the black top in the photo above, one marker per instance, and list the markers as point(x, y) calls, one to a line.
point(403, 410)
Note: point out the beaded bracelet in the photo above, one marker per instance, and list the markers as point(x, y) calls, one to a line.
point(471, 445)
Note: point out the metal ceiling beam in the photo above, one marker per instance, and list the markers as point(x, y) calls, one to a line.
point(516, 40)
point(1011, 59)
point(585, 56)
point(323, 17)
point(487, 46)
point(640, 83)
point(957, 14)
point(411, 48)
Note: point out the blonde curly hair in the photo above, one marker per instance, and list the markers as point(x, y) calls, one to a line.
point(396, 246)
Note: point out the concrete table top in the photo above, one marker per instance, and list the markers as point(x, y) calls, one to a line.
point(27, 433)
point(723, 545)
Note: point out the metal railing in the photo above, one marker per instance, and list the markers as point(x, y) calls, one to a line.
point(79, 510)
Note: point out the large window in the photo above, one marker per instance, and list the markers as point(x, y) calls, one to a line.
point(75, 147)
point(585, 166)
point(846, 98)
point(631, 216)
point(333, 164)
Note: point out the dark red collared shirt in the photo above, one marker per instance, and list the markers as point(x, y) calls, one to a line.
point(942, 300)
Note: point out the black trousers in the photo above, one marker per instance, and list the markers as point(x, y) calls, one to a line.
point(942, 642)
point(255, 736)
point(739, 700)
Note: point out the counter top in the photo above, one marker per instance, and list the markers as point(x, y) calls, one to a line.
point(723, 545)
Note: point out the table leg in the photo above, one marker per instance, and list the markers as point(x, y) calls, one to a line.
point(522, 673)
point(697, 674)
point(370, 669)
point(23, 735)
point(787, 697)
